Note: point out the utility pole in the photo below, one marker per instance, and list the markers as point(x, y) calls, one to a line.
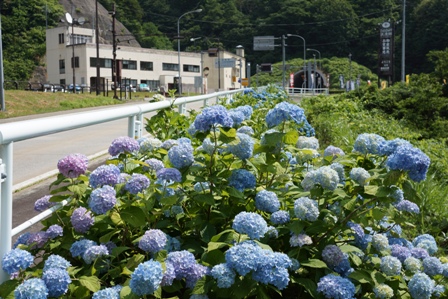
point(2, 90)
point(403, 40)
point(114, 52)
point(283, 66)
point(97, 41)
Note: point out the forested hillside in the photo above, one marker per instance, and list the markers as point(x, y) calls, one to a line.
point(335, 28)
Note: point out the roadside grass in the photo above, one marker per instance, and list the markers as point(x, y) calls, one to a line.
point(22, 103)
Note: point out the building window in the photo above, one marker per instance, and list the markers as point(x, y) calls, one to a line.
point(76, 62)
point(61, 66)
point(170, 67)
point(80, 39)
point(146, 66)
point(191, 68)
point(106, 63)
point(129, 65)
point(61, 38)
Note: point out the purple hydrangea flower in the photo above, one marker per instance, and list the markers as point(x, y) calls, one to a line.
point(181, 155)
point(285, 111)
point(336, 260)
point(185, 266)
point(212, 116)
point(224, 275)
point(38, 239)
point(400, 252)
point(79, 247)
point(102, 199)
point(280, 217)
point(146, 278)
point(368, 144)
point(54, 231)
point(169, 174)
point(306, 209)
point(267, 201)
point(153, 241)
point(251, 224)
point(421, 286)
point(31, 288)
point(57, 281)
point(94, 252)
point(242, 179)
point(105, 175)
point(16, 260)
point(410, 159)
point(154, 164)
point(56, 261)
point(137, 183)
point(196, 272)
point(43, 203)
point(123, 144)
point(360, 237)
point(336, 287)
point(82, 220)
point(72, 166)
point(244, 148)
point(420, 253)
point(169, 275)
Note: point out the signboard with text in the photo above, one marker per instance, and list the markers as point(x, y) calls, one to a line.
point(264, 43)
point(386, 51)
point(224, 62)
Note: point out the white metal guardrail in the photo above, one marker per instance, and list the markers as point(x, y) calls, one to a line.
point(22, 130)
point(307, 91)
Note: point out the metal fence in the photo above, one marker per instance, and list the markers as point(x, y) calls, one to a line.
point(23, 130)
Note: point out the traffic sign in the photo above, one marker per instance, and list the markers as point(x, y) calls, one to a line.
point(244, 81)
point(224, 62)
point(264, 43)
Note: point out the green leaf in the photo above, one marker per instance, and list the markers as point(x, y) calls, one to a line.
point(7, 289)
point(291, 137)
point(208, 232)
point(126, 293)
point(314, 263)
point(205, 198)
point(169, 200)
point(274, 138)
point(90, 282)
point(216, 245)
point(227, 135)
point(116, 219)
point(134, 261)
point(296, 227)
point(309, 285)
point(371, 189)
point(133, 216)
point(362, 276)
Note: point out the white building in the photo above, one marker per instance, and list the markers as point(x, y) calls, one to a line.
point(157, 68)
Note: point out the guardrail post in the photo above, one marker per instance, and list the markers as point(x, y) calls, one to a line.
point(131, 126)
point(139, 126)
point(205, 102)
point(5, 203)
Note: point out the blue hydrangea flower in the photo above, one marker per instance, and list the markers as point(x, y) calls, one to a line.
point(54, 231)
point(38, 239)
point(251, 224)
point(105, 175)
point(81, 220)
point(407, 206)
point(201, 187)
point(307, 142)
point(400, 252)
point(123, 144)
point(246, 130)
point(146, 278)
point(57, 281)
point(427, 242)
point(420, 253)
point(94, 252)
point(73, 165)
point(169, 275)
point(102, 199)
point(412, 264)
point(211, 117)
point(359, 175)
point(246, 110)
point(181, 155)
point(107, 293)
point(169, 174)
point(383, 291)
point(285, 111)
point(244, 148)
point(153, 164)
point(361, 240)
point(56, 261)
point(336, 260)
point(273, 269)
point(333, 151)
point(244, 257)
point(79, 247)
point(421, 286)
point(185, 266)
point(298, 240)
point(339, 168)
point(432, 266)
point(325, 176)
point(267, 201)
point(438, 291)
point(169, 143)
point(390, 265)
point(242, 179)
point(16, 260)
point(306, 209)
point(197, 271)
point(388, 147)
point(237, 117)
point(149, 144)
point(368, 144)
point(153, 241)
point(410, 159)
point(397, 194)
point(336, 287)
point(31, 288)
point(224, 275)
point(43, 203)
point(280, 217)
point(137, 183)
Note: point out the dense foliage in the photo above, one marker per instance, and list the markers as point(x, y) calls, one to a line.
point(239, 201)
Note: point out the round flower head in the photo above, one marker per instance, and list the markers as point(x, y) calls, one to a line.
point(146, 278)
point(169, 143)
point(244, 148)
point(388, 147)
point(107, 293)
point(336, 260)
point(153, 164)
point(327, 177)
point(38, 239)
point(432, 266)
point(148, 145)
point(212, 116)
point(336, 287)
point(300, 240)
point(410, 159)
point(400, 252)
point(224, 275)
point(181, 155)
point(123, 144)
point(43, 203)
point(412, 264)
point(280, 217)
point(16, 260)
point(102, 199)
point(380, 242)
point(306, 209)
point(244, 257)
point(246, 110)
point(137, 183)
point(105, 175)
point(421, 286)
point(273, 269)
point(359, 175)
point(339, 168)
point(267, 201)
point(383, 291)
point(390, 265)
point(31, 288)
point(54, 231)
point(427, 242)
point(407, 206)
point(57, 281)
point(251, 224)
point(56, 261)
point(72, 166)
point(81, 220)
point(169, 174)
point(237, 117)
point(333, 151)
point(94, 252)
point(153, 241)
point(245, 130)
point(185, 266)
point(307, 142)
point(368, 144)
point(78, 248)
point(242, 179)
point(419, 253)
point(285, 111)
point(361, 240)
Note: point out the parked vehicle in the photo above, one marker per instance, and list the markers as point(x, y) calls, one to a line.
point(126, 87)
point(58, 87)
point(77, 88)
point(143, 87)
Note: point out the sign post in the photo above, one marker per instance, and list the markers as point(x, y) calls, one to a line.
point(386, 51)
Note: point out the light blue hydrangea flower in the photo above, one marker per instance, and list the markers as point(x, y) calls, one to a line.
point(432, 266)
point(438, 291)
point(105, 175)
point(427, 242)
point(137, 183)
point(153, 241)
point(267, 201)
point(412, 264)
point(31, 288)
point(336, 260)
point(368, 143)
point(390, 265)
point(237, 117)
point(280, 217)
point(107, 293)
point(54, 231)
point(57, 281)
point(407, 206)
point(285, 111)
point(169, 275)
point(56, 261)
point(298, 240)
point(201, 187)
point(16, 260)
point(388, 147)
point(246, 110)
point(361, 239)
point(123, 144)
point(421, 286)
point(181, 155)
point(244, 148)
point(169, 143)
point(307, 142)
point(224, 275)
point(153, 164)
point(306, 209)
point(81, 220)
point(325, 176)
point(333, 151)
point(244, 257)
point(146, 278)
point(149, 144)
point(242, 179)
point(94, 252)
point(79, 247)
point(251, 224)
point(359, 175)
point(339, 168)
point(336, 287)
point(273, 269)
point(211, 117)
point(383, 291)
point(102, 199)
point(169, 175)
point(73, 165)
point(246, 130)
point(410, 159)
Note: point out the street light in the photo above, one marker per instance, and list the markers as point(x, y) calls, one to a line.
point(194, 39)
point(178, 47)
point(320, 61)
point(74, 22)
point(304, 56)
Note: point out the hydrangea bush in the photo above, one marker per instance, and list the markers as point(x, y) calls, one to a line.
point(237, 201)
